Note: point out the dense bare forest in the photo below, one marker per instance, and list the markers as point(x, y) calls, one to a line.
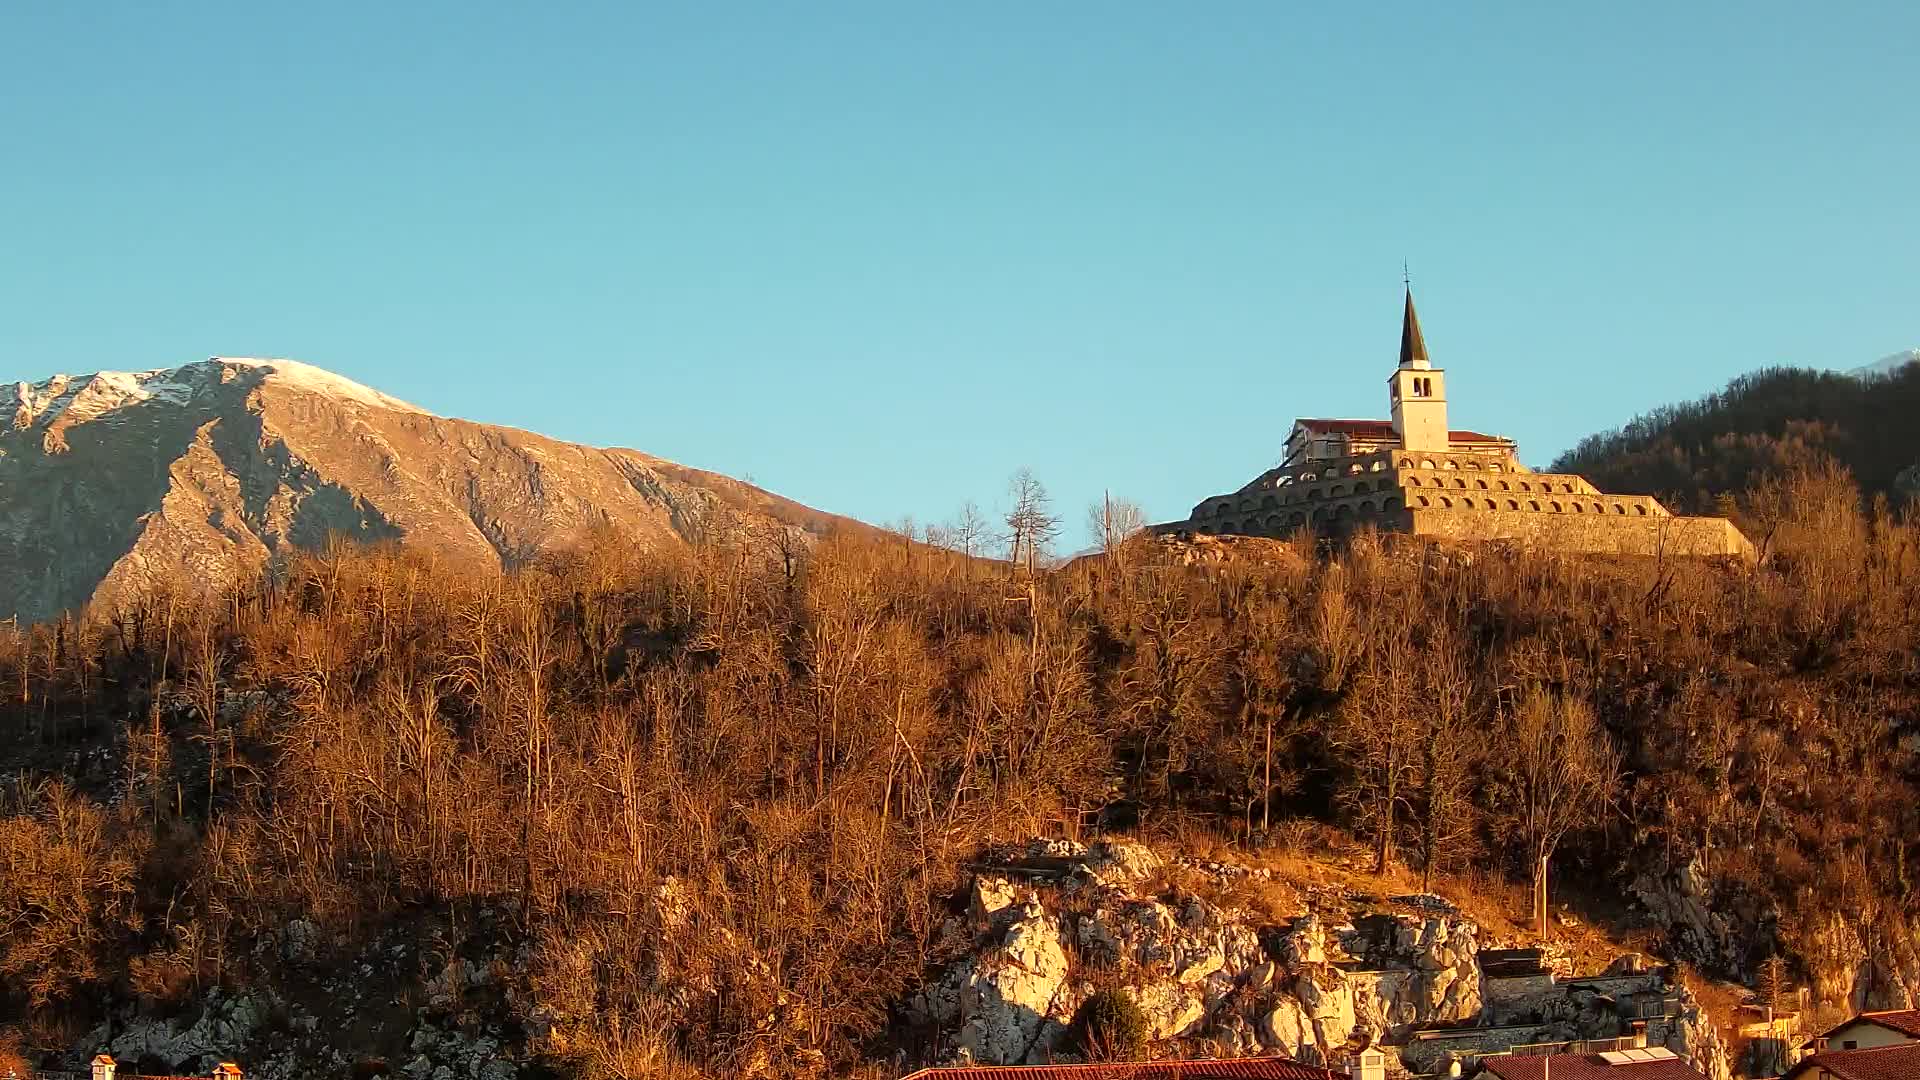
point(799, 746)
point(1762, 424)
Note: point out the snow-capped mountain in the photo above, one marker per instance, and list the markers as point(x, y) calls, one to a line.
point(1888, 365)
point(193, 475)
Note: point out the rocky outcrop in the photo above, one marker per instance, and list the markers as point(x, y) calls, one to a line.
point(1681, 902)
point(217, 1032)
point(1201, 972)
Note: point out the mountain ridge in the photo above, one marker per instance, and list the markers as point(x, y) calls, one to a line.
point(208, 471)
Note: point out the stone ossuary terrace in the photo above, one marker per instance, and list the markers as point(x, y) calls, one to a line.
point(1414, 474)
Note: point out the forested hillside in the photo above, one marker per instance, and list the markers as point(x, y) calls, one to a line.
point(1766, 422)
point(695, 789)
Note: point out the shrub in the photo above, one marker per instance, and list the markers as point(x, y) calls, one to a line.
point(1111, 1025)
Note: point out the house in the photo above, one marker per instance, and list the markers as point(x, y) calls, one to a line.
point(1267, 1068)
point(1894, 1061)
point(1646, 1063)
point(1867, 1031)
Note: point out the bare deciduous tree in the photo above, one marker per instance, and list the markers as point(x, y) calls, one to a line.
point(1562, 770)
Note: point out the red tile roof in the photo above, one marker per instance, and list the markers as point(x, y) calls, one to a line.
point(1898, 1062)
point(1586, 1067)
point(1904, 1021)
point(1269, 1068)
point(1383, 429)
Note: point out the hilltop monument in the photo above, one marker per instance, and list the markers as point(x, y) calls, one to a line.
point(1414, 474)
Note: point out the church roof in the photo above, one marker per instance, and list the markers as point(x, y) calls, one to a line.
point(1382, 429)
point(1413, 347)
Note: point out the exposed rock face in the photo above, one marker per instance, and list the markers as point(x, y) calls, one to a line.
point(208, 471)
point(1199, 971)
point(1682, 902)
point(223, 1025)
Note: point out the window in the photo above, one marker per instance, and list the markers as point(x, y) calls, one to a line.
point(1850, 1044)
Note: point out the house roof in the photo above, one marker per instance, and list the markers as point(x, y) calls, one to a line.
point(1904, 1021)
point(1898, 1062)
point(1380, 429)
point(1589, 1067)
point(1267, 1068)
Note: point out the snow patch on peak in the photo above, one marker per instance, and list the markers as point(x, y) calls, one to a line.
point(79, 397)
point(1889, 364)
point(298, 376)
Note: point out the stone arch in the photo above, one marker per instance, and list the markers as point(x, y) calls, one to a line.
point(1337, 491)
point(1640, 508)
point(1482, 483)
point(1459, 483)
point(1579, 509)
point(1426, 463)
point(1524, 486)
point(1377, 466)
point(1557, 508)
point(1355, 468)
point(1393, 503)
point(1598, 509)
point(1423, 500)
point(1504, 486)
point(1227, 527)
point(1269, 503)
point(1446, 502)
point(1513, 504)
point(1296, 518)
point(1568, 488)
point(1367, 509)
point(1273, 521)
point(1619, 509)
point(1533, 504)
point(1472, 464)
point(1406, 463)
point(1491, 505)
point(1496, 466)
point(1449, 463)
point(1342, 512)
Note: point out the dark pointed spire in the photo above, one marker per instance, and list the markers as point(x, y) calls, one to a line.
point(1413, 347)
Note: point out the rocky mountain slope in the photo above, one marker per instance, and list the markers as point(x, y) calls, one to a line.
point(1221, 957)
point(199, 473)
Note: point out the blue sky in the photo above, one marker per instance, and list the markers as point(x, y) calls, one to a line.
point(877, 256)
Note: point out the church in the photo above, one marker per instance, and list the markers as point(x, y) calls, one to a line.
point(1415, 474)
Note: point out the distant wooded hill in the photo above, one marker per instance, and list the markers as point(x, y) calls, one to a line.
point(1771, 420)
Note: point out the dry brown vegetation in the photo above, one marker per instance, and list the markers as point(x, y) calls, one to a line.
point(803, 745)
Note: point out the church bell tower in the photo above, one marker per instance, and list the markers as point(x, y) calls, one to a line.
point(1419, 391)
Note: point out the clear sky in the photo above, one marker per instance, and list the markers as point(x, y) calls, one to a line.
point(877, 256)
